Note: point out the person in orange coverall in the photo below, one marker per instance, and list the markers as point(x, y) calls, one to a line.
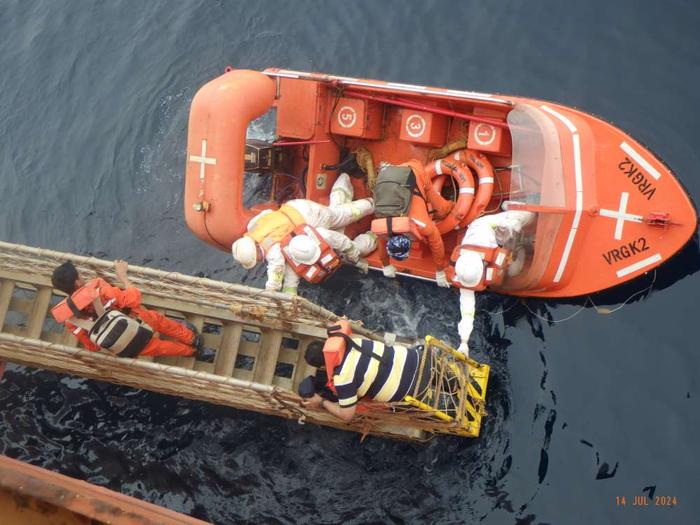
point(419, 215)
point(187, 342)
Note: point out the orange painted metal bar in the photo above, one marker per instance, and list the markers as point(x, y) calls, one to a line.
point(56, 494)
point(424, 107)
point(299, 142)
point(392, 87)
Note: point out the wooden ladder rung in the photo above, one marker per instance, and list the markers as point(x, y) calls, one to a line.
point(6, 290)
point(266, 361)
point(39, 311)
point(228, 349)
point(301, 368)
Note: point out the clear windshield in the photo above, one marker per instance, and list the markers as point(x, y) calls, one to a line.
point(536, 179)
point(536, 175)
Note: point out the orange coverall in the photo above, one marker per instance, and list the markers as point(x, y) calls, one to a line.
point(131, 299)
point(419, 213)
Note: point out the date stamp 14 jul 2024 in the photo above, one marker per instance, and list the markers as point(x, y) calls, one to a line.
point(646, 501)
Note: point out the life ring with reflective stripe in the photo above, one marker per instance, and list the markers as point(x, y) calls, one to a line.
point(484, 171)
point(465, 183)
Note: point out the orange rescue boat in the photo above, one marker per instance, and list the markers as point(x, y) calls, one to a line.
point(607, 210)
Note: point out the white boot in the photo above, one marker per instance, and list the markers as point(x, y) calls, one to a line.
point(340, 216)
point(362, 208)
point(342, 191)
point(366, 243)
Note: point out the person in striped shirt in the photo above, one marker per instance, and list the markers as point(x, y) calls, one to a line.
point(369, 369)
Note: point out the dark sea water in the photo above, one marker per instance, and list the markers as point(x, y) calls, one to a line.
point(94, 97)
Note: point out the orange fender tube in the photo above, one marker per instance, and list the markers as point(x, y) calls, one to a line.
point(219, 117)
point(465, 182)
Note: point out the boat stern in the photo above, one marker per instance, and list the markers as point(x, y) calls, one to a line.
point(214, 175)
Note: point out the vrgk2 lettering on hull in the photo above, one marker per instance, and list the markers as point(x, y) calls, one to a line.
point(626, 251)
point(634, 174)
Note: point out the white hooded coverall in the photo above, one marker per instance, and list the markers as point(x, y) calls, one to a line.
point(489, 231)
point(327, 220)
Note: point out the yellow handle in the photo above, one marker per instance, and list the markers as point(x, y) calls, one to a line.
point(419, 404)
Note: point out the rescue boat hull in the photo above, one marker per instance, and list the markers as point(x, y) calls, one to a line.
point(607, 210)
point(33, 495)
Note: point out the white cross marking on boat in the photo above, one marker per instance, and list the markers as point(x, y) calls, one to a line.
point(621, 215)
point(203, 159)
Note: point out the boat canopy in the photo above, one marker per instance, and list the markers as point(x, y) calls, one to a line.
point(537, 182)
point(536, 174)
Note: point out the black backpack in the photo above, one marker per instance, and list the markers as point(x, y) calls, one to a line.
point(393, 191)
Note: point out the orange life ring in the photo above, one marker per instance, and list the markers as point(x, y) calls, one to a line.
point(465, 182)
point(484, 171)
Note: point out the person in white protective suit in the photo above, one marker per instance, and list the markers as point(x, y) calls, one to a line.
point(472, 266)
point(267, 229)
point(303, 250)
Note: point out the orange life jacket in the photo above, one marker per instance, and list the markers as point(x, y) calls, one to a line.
point(75, 304)
point(111, 330)
point(334, 348)
point(328, 262)
point(388, 226)
point(272, 227)
point(497, 260)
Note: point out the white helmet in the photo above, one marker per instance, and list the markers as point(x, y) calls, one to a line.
point(245, 251)
point(469, 268)
point(303, 249)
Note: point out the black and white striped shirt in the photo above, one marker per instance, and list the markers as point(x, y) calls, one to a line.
point(360, 375)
